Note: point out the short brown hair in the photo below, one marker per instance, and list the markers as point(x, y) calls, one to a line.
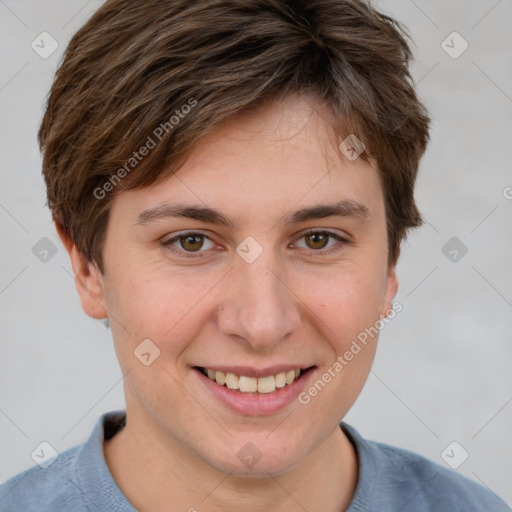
point(136, 64)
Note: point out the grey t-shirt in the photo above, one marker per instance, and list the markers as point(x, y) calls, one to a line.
point(390, 480)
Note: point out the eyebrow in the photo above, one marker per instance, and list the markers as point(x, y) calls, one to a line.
point(344, 208)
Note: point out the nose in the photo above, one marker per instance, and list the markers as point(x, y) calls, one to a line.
point(257, 305)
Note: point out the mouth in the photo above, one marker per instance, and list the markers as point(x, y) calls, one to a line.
point(246, 384)
point(251, 392)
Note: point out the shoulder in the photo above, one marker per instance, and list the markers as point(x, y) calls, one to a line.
point(77, 479)
point(41, 490)
point(398, 479)
point(435, 485)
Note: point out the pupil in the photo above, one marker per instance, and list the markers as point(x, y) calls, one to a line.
point(319, 241)
point(192, 243)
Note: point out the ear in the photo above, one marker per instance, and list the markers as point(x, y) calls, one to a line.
point(88, 278)
point(390, 291)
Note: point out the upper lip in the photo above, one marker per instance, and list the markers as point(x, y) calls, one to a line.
point(249, 371)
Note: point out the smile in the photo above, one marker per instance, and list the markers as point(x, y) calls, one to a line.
point(255, 392)
point(245, 384)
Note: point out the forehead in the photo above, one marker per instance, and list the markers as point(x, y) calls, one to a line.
point(296, 131)
point(283, 154)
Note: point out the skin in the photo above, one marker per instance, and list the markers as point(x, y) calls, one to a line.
point(298, 302)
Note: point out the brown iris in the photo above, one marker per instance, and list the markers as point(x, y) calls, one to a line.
point(192, 243)
point(317, 240)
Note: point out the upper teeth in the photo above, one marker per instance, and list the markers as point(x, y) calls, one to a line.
point(246, 384)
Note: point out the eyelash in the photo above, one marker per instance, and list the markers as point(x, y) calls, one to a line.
point(194, 254)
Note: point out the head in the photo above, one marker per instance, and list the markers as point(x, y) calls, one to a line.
point(198, 165)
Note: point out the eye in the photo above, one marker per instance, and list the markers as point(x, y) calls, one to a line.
point(189, 243)
point(320, 240)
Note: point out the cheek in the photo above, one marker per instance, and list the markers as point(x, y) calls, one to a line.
point(346, 316)
point(158, 304)
point(346, 302)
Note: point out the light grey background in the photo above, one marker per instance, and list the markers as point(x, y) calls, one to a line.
point(443, 369)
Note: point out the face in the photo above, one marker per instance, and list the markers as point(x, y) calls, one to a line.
point(262, 259)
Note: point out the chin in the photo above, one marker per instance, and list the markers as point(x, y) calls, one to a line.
point(246, 458)
point(267, 466)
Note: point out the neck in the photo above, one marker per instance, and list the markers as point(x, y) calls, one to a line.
point(145, 468)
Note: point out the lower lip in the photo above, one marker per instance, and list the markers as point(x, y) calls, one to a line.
point(256, 404)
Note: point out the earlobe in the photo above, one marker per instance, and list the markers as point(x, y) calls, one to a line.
point(390, 292)
point(88, 279)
